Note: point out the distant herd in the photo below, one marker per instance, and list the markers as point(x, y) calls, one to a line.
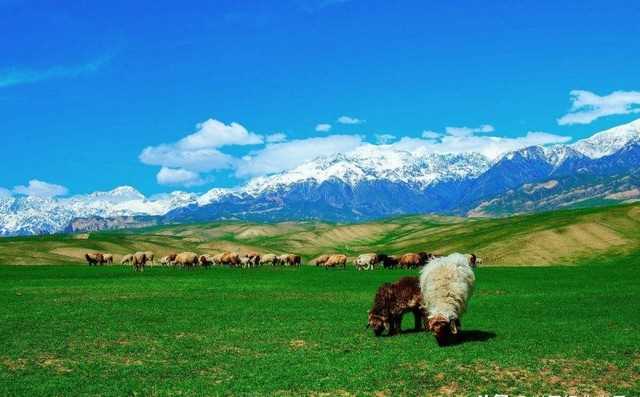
point(369, 261)
point(437, 299)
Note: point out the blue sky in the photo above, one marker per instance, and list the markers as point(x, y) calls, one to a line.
point(94, 95)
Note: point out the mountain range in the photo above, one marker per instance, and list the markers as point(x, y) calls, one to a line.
point(373, 181)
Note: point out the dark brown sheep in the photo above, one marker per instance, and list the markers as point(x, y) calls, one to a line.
point(394, 300)
point(389, 261)
point(94, 259)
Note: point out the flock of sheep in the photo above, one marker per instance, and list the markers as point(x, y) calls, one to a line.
point(367, 261)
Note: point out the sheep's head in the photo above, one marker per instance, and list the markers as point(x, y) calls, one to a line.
point(379, 323)
point(442, 328)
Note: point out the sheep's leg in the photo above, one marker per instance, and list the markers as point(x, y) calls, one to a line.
point(417, 314)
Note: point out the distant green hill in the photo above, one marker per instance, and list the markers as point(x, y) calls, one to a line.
point(557, 237)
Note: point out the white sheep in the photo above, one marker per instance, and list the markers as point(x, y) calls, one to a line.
point(447, 284)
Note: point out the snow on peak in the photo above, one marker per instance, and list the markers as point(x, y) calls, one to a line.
point(377, 162)
point(609, 141)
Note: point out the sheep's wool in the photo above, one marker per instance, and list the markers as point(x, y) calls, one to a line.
point(447, 284)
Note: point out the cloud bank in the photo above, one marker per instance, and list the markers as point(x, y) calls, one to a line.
point(587, 106)
point(193, 159)
point(41, 189)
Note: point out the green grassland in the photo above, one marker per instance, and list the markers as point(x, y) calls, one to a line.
point(530, 330)
point(69, 330)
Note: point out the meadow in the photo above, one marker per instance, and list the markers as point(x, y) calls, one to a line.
point(555, 312)
point(75, 330)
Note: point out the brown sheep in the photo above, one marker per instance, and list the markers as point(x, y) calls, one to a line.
point(187, 259)
point(107, 258)
point(139, 260)
point(289, 260)
point(217, 259)
point(411, 261)
point(94, 259)
point(230, 258)
point(394, 300)
point(321, 260)
point(336, 261)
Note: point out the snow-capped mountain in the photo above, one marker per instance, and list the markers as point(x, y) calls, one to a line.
point(374, 163)
point(608, 142)
point(370, 182)
point(35, 215)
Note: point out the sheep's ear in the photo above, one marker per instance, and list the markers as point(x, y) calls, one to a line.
point(454, 328)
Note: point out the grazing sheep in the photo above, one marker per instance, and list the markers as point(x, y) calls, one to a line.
point(289, 260)
point(367, 261)
point(139, 260)
point(150, 257)
point(321, 260)
point(447, 284)
point(127, 259)
point(394, 300)
point(410, 261)
point(206, 261)
point(187, 259)
point(107, 258)
point(217, 259)
point(245, 262)
point(230, 258)
point(390, 261)
point(336, 260)
point(166, 260)
point(268, 259)
point(254, 258)
point(94, 259)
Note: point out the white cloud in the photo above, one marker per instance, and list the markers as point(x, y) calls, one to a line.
point(214, 134)
point(275, 138)
point(430, 134)
point(41, 189)
point(349, 120)
point(201, 160)
point(178, 176)
point(383, 139)
point(466, 131)
point(323, 127)
point(198, 152)
point(587, 106)
point(12, 77)
point(284, 156)
point(489, 146)
point(4, 193)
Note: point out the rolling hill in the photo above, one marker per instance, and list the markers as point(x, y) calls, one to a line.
point(555, 237)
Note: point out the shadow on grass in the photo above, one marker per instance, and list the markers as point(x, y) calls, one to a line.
point(467, 336)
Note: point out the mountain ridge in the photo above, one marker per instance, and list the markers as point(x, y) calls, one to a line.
point(373, 181)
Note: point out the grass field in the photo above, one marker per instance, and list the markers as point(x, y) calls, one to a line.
point(71, 330)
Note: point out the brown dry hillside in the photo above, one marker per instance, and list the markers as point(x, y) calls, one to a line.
point(558, 237)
